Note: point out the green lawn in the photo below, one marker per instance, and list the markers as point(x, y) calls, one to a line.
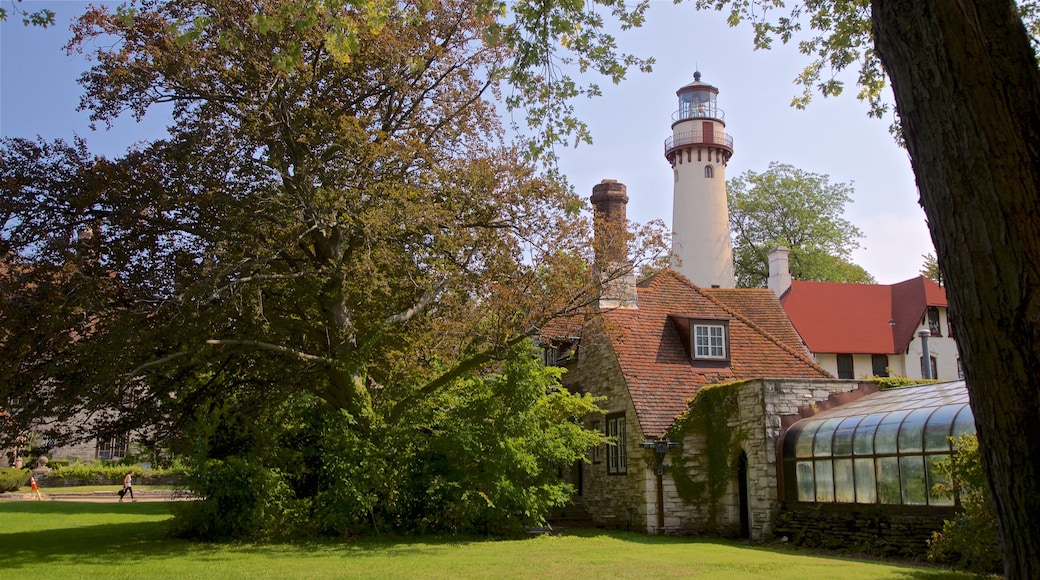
point(59, 539)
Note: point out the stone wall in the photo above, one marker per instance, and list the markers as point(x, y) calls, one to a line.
point(892, 531)
point(615, 501)
point(755, 413)
point(752, 415)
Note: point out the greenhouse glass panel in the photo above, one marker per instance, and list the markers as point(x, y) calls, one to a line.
point(965, 422)
point(911, 433)
point(888, 480)
point(824, 438)
point(843, 436)
point(865, 490)
point(887, 431)
point(912, 480)
point(936, 475)
point(824, 482)
point(844, 481)
point(863, 441)
point(803, 445)
point(806, 486)
point(937, 432)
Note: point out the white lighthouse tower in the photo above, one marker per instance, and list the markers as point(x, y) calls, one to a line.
point(698, 150)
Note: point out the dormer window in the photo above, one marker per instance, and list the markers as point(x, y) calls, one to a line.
point(704, 339)
point(710, 340)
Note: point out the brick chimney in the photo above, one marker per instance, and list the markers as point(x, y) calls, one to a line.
point(610, 218)
point(779, 270)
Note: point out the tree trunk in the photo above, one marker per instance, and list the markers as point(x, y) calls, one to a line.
point(967, 89)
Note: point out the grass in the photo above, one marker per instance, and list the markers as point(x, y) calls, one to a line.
point(59, 539)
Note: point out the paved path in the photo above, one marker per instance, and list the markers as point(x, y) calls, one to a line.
point(98, 496)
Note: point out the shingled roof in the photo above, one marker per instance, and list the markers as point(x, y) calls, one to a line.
point(661, 376)
point(832, 317)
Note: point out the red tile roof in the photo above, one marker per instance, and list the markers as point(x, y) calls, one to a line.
point(832, 317)
point(660, 375)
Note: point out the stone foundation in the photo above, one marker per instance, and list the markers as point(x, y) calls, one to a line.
point(891, 531)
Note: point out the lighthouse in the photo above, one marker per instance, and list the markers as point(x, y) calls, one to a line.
point(698, 152)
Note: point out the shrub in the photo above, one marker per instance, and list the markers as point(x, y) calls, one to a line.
point(970, 540)
point(240, 499)
point(11, 479)
point(104, 472)
point(895, 382)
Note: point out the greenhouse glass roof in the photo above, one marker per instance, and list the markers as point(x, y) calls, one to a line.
point(882, 448)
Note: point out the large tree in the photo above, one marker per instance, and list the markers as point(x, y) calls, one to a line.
point(786, 206)
point(967, 92)
point(332, 260)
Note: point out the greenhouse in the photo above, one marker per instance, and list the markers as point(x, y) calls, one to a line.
point(882, 449)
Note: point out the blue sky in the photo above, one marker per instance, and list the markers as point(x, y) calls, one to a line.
point(629, 123)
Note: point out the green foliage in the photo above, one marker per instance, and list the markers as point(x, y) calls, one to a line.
point(331, 259)
point(107, 471)
point(833, 35)
point(893, 382)
point(969, 541)
point(240, 499)
point(930, 269)
point(785, 206)
point(42, 18)
point(480, 456)
point(11, 479)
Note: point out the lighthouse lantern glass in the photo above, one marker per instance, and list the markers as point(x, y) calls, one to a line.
point(697, 103)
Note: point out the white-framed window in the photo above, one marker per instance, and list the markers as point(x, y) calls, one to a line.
point(617, 454)
point(709, 341)
point(709, 171)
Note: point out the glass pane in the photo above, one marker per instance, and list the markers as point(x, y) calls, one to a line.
point(806, 485)
point(937, 432)
point(914, 484)
point(965, 422)
point(824, 482)
point(879, 365)
point(865, 490)
point(888, 480)
point(863, 442)
point(885, 438)
point(911, 433)
point(803, 445)
point(843, 436)
point(935, 475)
point(844, 481)
point(824, 437)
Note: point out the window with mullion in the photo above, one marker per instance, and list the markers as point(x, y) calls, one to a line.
point(709, 341)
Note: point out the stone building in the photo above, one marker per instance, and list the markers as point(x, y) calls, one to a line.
point(652, 349)
point(716, 411)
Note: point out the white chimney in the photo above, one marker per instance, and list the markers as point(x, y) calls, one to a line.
point(779, 270)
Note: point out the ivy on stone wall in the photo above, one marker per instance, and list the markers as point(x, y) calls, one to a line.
point(707, 419)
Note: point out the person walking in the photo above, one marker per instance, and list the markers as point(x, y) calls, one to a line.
point(128, 486)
